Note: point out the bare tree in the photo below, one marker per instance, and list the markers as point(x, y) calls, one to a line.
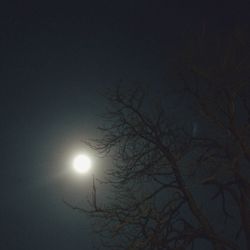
point(165, 178)
point(221, 90)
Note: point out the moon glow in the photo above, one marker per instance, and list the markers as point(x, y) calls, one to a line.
point(82, 164)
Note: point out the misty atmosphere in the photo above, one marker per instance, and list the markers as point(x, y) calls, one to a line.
point(125, 125)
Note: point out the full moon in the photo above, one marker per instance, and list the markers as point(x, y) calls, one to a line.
point(82, 164)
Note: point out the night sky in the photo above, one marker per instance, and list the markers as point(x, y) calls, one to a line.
point(56, 60)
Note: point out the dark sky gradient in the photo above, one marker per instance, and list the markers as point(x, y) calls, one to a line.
point(55, 59)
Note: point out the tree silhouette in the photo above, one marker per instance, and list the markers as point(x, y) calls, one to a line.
point(172, 186)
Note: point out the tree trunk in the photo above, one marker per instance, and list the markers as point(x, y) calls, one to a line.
point(245, 214)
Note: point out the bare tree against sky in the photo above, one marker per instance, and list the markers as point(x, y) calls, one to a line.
point(166, 180)
point(221, 91)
